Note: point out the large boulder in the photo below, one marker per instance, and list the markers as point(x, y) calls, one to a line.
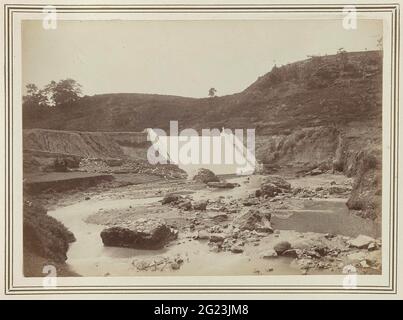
point(278, 182)
point(205, 176)
point(254, 220)
point(171, 198)
point(273, 185)
point(139, 234)
point(269, 189)
point(200, 205)
point(185, 205)
point(282, 247)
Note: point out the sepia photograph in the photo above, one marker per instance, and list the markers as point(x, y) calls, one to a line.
point(95, 205)
point(175, 146)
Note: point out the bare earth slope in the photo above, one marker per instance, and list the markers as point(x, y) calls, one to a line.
point(89, 144)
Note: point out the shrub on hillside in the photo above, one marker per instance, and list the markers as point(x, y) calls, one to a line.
point(366, 194)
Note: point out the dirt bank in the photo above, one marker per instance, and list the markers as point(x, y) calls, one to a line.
point(353, 150)
point(305, 148)
point(85, 144)
point(45, 241)
point(60, 182)
point(366, 196)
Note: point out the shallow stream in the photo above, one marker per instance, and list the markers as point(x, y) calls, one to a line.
point(88, 257)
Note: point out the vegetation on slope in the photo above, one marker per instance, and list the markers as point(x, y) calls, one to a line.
point(44, 239)
point(367, 190)
point(318, 91)
point(323, 110)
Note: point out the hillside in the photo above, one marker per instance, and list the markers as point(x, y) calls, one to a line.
point(323, 112)
point(329, 90)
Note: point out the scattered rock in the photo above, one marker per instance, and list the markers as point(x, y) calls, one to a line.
point(236, 249)
point(142, 265)
point(282, 246)
point(218, 217)
point(179, 260)
point(268, 254)
point(215, 247)
point(205, 176)
point(185, 205)
point(200, 205)
point(171, 198)
point(269, 190)
point(323, 265)
point(374, 259)
point(338, 190)
point(321, 250)
point(175, 266)
point(215, 229)
point(158, 263)
point(216, 238)
point(254, 220)
point(203, 235)
point(361, 242)
point(278, 182)
point(139, 234)
point(312, 254)
point(112, 162)
point(250, 202)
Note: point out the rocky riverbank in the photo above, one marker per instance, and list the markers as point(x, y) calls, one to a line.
point(261, 225)
point(45, 241)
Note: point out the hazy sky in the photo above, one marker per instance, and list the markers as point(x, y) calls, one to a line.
point(179, 57)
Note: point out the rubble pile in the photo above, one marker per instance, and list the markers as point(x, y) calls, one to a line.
point(159, 263)
point(205, 176)
point(243, 226)
point(119, 166)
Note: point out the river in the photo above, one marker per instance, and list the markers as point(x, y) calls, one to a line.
point(88, 257)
